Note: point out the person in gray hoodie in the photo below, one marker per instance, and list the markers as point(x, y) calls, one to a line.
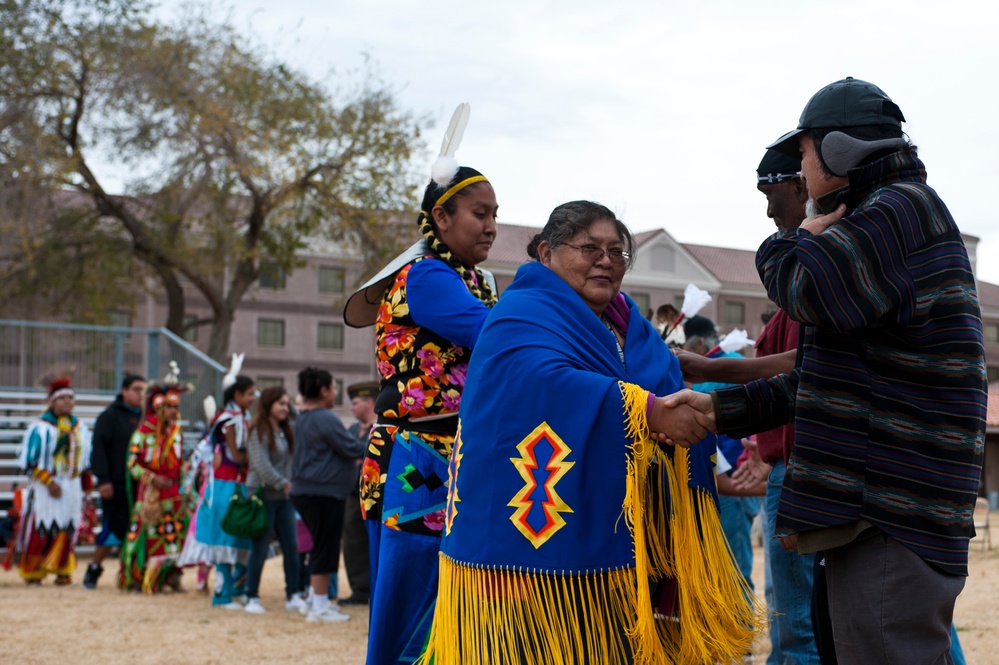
point(322, 477)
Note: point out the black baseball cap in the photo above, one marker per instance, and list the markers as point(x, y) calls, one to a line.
point(777, 167)
point(849, 102)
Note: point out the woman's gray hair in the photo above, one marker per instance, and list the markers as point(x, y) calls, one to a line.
point(570, 218)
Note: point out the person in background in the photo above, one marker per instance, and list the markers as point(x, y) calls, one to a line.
point(108, 460)
point(271, 445)
point(209, 544)
point(55, 455)
point(323, 473)
point(666, 317)
point(159, 519)
point(356, 552)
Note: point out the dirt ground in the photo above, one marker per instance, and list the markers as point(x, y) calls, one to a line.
point(51, 625)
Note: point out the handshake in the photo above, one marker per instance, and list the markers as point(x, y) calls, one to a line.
point(683, 418)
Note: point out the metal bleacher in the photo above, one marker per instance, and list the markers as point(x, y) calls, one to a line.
point(100, 357)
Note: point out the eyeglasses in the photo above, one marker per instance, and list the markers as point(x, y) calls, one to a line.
point(593, 253)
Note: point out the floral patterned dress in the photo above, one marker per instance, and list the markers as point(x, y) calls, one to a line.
point(422, 378)
point(159, 516)
point(404, 476)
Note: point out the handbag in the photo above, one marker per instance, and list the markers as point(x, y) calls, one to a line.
point(152, 508)
point(246, 516)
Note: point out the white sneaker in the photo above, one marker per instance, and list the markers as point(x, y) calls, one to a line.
point(229, 606)
point(297, 604)
point(329, 614)
point(242, 599)
point(253, 606)
point(306, 603)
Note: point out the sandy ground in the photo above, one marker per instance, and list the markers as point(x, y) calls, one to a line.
point(60, 625)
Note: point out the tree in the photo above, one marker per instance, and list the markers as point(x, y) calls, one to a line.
point(232, 157)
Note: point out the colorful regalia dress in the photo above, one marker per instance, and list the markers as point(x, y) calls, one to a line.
point(207, 542)
point(54, 449)
point(569, 535)
point(404, 475)
point(159, 517)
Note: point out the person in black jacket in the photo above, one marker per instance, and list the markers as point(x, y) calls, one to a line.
point(112, 432)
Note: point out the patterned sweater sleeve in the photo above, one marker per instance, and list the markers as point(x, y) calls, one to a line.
point(757, 406)
point(851, 276)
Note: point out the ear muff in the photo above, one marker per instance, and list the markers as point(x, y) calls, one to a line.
point(842, 152)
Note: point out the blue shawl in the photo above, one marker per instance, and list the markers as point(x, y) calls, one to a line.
point(560, 503)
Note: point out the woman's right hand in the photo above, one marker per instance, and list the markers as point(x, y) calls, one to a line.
point(683, 418)
point(161, 482)
point(55, 491)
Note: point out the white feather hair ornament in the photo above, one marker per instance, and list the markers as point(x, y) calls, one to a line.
point(230, 376)
point(694, 300)
point(736, 340)
point(446, 166)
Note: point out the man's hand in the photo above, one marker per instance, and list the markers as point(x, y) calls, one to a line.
point(816, 225)
point(790, 543)
point(55, 491)
point(106, 490)
point(751, 472)
point(683, 418)
point(693, 366)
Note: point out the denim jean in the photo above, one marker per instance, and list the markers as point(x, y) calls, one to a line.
point(768, 584)
point(281, 515)
point(792, 579)
point(737, 514)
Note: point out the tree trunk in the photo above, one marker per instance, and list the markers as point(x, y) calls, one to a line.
point(174, 296)
point(218, 344)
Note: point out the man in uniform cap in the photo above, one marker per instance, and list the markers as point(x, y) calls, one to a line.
point(355, 536)
point(889, 401)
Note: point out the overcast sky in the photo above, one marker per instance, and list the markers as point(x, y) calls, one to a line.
point(661, 110)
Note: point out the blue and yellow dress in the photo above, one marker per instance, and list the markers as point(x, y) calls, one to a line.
point(426, 324)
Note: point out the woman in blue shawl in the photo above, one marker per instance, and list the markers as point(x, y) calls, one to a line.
point(569, 535)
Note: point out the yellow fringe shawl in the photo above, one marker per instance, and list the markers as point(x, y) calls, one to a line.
point(494, 615)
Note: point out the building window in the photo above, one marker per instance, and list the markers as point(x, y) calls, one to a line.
point(190, 328)
point(678, 302)
point(992, 333)
point(271, 275)
point(992, 374)
point(270, 332)
point(642, 300)
point(663, 259)
point(339, 392)
point(735, 314)
point(331, 279)
point(330, 336)
point(265, 382)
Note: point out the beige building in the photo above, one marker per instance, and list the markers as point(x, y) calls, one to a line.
point(289, 321)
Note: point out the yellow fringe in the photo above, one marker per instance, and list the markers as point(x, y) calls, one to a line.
point(498, 615)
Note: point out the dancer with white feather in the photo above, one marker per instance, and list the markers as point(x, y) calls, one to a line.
point(427, 306)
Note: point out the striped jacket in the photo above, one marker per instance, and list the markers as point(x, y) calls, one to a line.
point(889, 402)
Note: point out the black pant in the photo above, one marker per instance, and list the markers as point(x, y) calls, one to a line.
point(323, 517)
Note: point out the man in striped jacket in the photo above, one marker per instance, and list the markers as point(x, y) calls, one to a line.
point(889, 401)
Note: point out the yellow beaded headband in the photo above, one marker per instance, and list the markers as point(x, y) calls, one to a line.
point(458, 187)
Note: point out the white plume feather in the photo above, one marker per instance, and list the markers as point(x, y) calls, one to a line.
point(443, 170)
point(735, 341)
point(694, 300)
point(237, 364)
point(210, 408)
point(455, 130)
